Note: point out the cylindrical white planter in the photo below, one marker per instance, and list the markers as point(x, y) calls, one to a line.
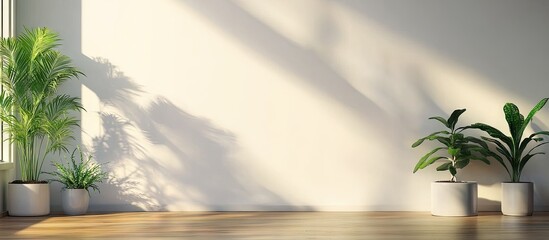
point(517, 199)
point(75, 201)
point(454, 198)
point(30, 199)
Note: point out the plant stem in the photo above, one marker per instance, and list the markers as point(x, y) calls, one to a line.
point(454, 179)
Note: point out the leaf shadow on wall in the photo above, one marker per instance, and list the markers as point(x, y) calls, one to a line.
point(194, 169)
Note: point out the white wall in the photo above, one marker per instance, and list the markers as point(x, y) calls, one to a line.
point(292, 105)
point(6, 175)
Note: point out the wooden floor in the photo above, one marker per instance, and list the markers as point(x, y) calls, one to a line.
point(276, 225)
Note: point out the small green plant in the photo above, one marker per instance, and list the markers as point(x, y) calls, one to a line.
point(456, 150)
point(83, 174)
point(512, 151)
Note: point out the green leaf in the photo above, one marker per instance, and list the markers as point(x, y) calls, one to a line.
point(431, 161)
point(462, 163)
point(421, 161)
point(483, 159)
point(524, 144)
point(500, 148)
point(546, 133)
point(418, 142)
point(514, 120)
point(444, 166)
point(533, 112)
point(499, 159)
point(477, 141)
point(493, 132)
point(442, 120)
point(444, 140)
point(453, 119)
point(525, 160)
point(453, 151)
point(431, 136)
point(459, 137)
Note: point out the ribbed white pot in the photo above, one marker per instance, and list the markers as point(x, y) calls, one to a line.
point(75, 201)
point(31, 199)
point(517, 199)
point(454, 198)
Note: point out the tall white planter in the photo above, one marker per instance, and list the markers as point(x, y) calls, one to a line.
point(454, 198)
point(517, 199)
point(28, 199)
point(75, 201)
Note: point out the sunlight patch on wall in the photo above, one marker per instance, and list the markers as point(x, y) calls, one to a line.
point(491, 195)
point(389, 69)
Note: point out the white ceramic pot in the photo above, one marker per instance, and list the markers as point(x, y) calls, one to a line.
point(517, 199)
point(454, 198)
point(32, 199)
point(75, 201)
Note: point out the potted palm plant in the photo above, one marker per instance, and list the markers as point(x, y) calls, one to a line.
point(37, 118)
point(77, 178)
point(513, 152)
point(456, 150)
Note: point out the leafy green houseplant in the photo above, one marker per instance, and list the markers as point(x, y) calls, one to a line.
point(36, 116)
point(456, 149)
point(38, 119)
point(81, 174)
point(513, 152)
point(77, 178)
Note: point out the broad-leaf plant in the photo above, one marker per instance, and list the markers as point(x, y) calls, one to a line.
point(513, 151)
point(455, 149)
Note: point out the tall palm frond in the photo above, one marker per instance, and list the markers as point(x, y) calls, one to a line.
point(38, 120)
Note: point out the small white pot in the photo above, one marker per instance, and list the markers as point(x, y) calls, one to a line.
point(517, 199)
point(454, 198)
point(75, 201)
point(29, 199)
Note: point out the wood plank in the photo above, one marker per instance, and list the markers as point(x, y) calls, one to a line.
point(276, 225)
